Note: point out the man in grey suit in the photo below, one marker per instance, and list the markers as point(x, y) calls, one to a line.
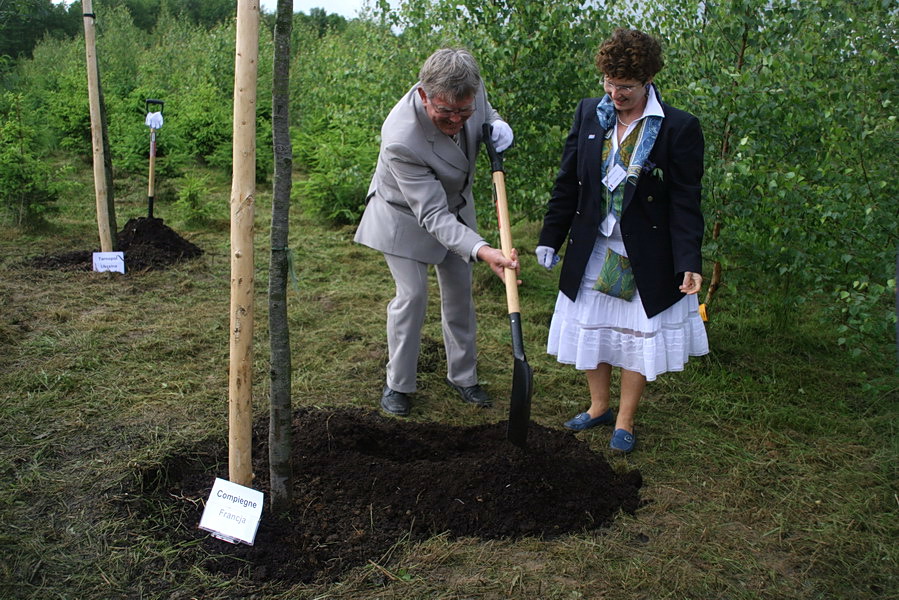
point(420, 212)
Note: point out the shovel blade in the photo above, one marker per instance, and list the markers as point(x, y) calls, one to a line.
point(520, 405)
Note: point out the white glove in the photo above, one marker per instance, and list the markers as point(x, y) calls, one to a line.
point(547, 257)
point(154, 120)
point(501, 135)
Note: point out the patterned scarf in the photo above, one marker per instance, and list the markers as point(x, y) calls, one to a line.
point(647, 134)
point(613, 200)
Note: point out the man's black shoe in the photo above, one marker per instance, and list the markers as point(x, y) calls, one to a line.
point(473, 394)
point(396, 403)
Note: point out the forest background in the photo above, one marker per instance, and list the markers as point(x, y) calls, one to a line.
point(797, 102)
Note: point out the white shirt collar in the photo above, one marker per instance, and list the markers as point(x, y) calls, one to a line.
point(653, 107)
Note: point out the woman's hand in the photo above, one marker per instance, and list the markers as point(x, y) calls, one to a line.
point(692, 283)
point(498, 262)
point(547, 257)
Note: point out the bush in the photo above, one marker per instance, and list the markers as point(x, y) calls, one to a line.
point(340, 164)
point(29, 188)
point(336, 137)
point(800, 122)
point(193, 207)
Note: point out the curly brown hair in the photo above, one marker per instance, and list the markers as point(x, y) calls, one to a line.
point(630, 54)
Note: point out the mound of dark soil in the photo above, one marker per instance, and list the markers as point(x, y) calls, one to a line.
point(363, 482)
point(148, 244)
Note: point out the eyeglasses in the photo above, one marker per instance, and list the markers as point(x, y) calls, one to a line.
point(624, 89)
point(445, 111)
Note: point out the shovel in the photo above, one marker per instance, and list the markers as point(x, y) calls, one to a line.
point(154, 122)
point(522, 376)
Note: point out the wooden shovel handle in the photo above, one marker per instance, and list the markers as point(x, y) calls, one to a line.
point(502, 218)
point(505, 239)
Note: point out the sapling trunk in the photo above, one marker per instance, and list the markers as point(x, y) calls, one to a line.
point(280, 438)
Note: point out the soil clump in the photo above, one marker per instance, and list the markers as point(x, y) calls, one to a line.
point(148, 244)
point(364, 482)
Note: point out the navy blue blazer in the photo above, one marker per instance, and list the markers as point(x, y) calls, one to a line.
point(661, 220)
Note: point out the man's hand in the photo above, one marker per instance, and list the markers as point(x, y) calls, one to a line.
point(692, 283)
point(501, 134)
point(499, 263)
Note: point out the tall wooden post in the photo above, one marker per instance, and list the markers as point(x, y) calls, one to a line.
point(102, 173)
point(243, 189)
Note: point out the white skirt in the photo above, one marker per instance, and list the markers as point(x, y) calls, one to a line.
point(598, 328)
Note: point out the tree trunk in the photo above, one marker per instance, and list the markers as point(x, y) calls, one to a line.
point(243, 190)
point(715, 281)
point(103, 187)
point(280, 439)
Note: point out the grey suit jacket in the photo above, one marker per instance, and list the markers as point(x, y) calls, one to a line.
point(419, 202)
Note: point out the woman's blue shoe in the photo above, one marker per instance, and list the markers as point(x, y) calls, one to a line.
point(623, 440)
point(583, 421)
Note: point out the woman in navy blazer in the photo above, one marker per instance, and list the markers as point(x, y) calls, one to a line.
point(627, 200)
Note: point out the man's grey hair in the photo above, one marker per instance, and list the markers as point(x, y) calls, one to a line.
point(450, 73)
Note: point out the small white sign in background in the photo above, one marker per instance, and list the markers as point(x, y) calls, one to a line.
point(109, 261)
point(232, 512)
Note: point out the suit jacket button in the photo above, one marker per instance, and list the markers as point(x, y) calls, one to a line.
point(649, 198)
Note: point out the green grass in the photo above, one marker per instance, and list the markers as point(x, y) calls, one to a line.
point(769, 466)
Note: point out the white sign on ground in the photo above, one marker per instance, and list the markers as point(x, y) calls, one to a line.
point(109, 261)
point(232, 512)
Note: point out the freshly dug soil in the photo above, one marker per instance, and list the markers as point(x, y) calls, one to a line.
point(364, 481)
point(147, 242)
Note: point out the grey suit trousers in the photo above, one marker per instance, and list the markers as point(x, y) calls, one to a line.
point(406, 315)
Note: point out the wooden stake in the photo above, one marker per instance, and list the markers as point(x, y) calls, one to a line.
point(102, 176)
point(243, 189)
